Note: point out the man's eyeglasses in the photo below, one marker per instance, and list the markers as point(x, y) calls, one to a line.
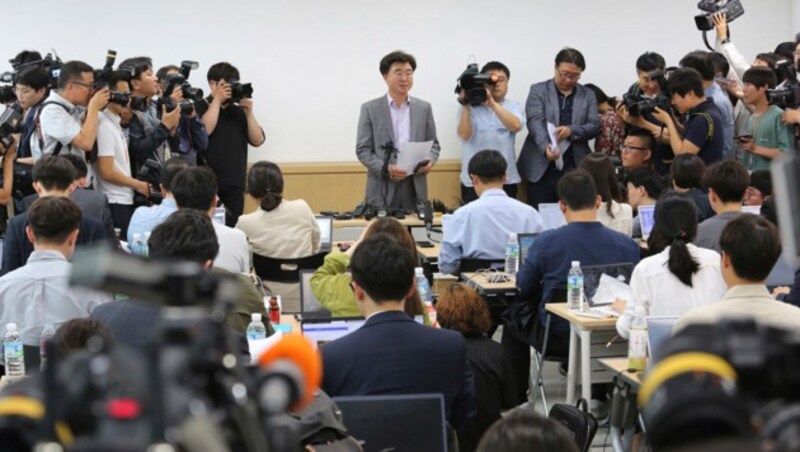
point(625, 149)
point(88, 86)
point(569, 76)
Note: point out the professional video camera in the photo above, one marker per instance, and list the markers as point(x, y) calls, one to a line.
point(7, 94)
point(187, 391)
point(52, 64)
point(241, 90)
point(732, 9)
point(788, 95)
point(733, 374)
point(474, 85)
point(150, 172)
point(10, 123)
point(190, 94)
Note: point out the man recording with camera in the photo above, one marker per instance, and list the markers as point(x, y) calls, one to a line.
point(650, 86)
point(31, 89)
point(113, 160)
point(192, 132)
point(491, 125)
point(231, 125)
point(148, 134)
point(61, 125)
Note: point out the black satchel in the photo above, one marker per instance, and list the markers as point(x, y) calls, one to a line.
point(22, 185)
point(578, 420)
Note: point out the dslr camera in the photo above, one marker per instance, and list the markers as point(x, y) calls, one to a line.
point(52, 64)
point(190, 94)
point(733, 9)
point(474, 85)
point(149, 172)
point(638, 105)
point(102, 79)
point(787, 96)
point(10, 123)
point(241, 90)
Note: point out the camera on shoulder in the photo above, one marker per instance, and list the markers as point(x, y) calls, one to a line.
point(474, 85)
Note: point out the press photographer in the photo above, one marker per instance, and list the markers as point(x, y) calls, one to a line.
point(231, 125)
point(149, 133)
point(192, 132)
point(488, 120)
point(61, 122)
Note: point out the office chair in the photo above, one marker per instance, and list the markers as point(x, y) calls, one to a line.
point(473, 265)
point(285, 270)
point(558, 295)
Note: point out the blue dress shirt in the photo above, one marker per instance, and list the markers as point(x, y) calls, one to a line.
point(145, 219)
point(489, 133)
point(550, 257)
point(725, 107)
point(480, 229)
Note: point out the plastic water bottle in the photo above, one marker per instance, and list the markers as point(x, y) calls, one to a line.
point(512, 254)
point(146, 244)
point(423, 286)
point(48, 332)
point(637, 341)
point(256, 329)
point(13, 353)
point(575, 287)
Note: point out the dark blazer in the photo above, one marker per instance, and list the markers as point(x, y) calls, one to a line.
point(93, 204)
point(392, 354)
point(542, 107)
point(375, 130)
point(17, 247)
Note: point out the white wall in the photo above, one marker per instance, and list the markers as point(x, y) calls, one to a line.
point(313, 62)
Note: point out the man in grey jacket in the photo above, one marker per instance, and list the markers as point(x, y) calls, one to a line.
point(386, 122)
point(572, 110)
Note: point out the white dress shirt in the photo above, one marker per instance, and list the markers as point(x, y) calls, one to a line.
point(623, 217)
point(661, 293)
point(234, 252)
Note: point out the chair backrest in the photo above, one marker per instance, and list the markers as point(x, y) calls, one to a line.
point(310, 307)
point(473, 265)
point(285, 270)
point(396, 422)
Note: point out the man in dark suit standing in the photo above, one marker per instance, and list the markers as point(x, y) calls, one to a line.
point(391, 353)
point(386, 122)
point(572, 109)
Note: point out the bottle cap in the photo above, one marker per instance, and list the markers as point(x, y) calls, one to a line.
point(418, 271)
point(256, 317)
point(576, 264)
point(11, 327)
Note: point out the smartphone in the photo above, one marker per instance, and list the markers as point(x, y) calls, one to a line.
point(424, 244)
point(744, 137)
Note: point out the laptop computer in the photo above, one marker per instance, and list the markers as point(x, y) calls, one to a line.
point(320, 331)
point(592, 274)
point(755, 210)
point(659, 330)
point(325, 233)
point(646, 220)
point(411, 422)
point(552, 216)
point(525, 241)
point(310, 307)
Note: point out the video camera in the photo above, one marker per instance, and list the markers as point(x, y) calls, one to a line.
point(731, 373)
point(7, 94)
point(10, 123)
point(52, 64)
point(637, 104)
point(150, 172)
point(474, 85)
point(732, 9)
point(186, 391)
point(241, 91)
point(190, 94)
point(787, 96)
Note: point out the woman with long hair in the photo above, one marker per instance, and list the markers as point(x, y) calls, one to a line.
point(331, 282)
point(613, 214)
point(693, 275)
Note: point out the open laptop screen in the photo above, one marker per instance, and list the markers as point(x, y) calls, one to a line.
point(325, 232)
point(646, 220)
point(321, 331)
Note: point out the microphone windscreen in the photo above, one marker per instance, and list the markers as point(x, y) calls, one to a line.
point(297, 350)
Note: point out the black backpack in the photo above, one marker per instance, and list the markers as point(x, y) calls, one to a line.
point(578, 420)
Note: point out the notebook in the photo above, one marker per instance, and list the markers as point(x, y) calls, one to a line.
point(325, 233)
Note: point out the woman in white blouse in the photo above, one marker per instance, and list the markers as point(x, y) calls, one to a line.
point(279, 228)
point(681, 276)
point(613, 214)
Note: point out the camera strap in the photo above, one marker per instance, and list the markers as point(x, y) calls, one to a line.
point(39, 134)
point(710, 134)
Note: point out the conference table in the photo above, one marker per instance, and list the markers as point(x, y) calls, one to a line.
point(410, 221)
point(622, 427)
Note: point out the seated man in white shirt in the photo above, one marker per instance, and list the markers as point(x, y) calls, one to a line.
point(480, 229)
point(196, 188)
point(38, 292)
point(750, 247)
